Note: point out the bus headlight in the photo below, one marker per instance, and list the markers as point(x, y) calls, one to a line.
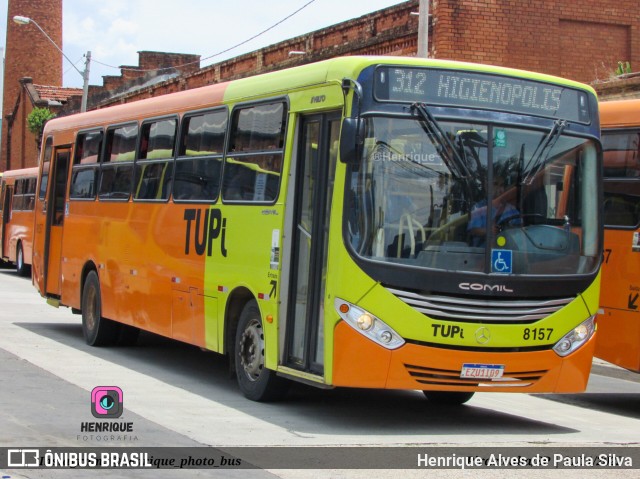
point(368, 325)
point(576, 337)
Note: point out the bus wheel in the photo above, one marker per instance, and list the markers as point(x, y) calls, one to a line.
point(448, 398)
point(256, 381)
point(21, 268)
point(98, 331)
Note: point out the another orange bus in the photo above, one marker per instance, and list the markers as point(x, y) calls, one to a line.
point(619, 323)
point(17, 202)
point(314, 224)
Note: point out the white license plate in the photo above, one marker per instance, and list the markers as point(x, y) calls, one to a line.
point(482, 371)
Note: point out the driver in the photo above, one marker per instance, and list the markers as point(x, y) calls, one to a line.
point(502, 211)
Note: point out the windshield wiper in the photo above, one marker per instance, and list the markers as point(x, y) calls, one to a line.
point(441, 141)
point(546, 145)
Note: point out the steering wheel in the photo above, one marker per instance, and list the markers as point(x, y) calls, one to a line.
point(510, 220)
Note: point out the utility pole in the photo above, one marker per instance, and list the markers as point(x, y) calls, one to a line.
point(85, 85)
point(423, 29)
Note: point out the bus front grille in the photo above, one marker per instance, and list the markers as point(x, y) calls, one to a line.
point(476, 310)
point(445, 377)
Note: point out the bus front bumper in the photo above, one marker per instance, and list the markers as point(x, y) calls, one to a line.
point(359, 362)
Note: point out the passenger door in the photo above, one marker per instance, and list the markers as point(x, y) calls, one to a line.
point(315, 170)
point(6, 218)
point(50, 214)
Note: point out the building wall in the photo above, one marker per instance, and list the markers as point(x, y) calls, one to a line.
point(578, 40)
point(582, 40)
point(28, 54)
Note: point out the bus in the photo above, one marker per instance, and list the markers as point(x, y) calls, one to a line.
point(312, 224)
point(17, 202)
point(619, 322)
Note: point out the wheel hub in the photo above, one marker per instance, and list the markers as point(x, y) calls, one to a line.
point(251, 350)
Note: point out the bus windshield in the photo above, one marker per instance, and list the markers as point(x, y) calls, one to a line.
point(423, 191)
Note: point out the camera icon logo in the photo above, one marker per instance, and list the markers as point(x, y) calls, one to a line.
point(106, 402)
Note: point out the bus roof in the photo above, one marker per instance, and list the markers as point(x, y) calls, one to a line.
point(21, 172)
point(269, 84)
point(619, 113)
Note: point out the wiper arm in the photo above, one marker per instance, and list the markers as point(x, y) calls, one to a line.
point(546, 145)
point(441, 141)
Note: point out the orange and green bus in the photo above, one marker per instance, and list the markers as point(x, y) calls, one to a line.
point(313, 224)
point(619, 323)
point(17, 202)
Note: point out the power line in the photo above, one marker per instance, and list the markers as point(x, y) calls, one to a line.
point(215, 54)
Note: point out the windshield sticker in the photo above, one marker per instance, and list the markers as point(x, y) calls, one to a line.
point(275, 249)
point(500, 138)
point(501, 261)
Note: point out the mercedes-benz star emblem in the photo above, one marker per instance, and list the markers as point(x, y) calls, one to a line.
point(483, 335)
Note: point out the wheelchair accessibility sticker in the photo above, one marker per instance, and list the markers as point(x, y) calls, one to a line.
point(501, 261)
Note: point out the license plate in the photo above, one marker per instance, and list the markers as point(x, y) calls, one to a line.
point(482, 371)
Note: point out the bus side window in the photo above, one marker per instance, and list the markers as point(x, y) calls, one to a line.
point(199, 162)
point(85, 165)
point(116, 175)
point(154, 162)
point(254, 161)
point(619, 211)
point(46, 163)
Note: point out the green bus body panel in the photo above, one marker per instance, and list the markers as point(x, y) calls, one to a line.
point(249, 228)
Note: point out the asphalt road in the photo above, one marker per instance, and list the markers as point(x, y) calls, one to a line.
point(177, 395)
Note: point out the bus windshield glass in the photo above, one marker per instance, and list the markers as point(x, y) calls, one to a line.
point(474, 197)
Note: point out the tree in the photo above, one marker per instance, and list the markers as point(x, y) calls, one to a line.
point(36, 121)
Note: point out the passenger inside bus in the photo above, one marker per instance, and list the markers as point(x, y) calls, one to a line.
point(502, 212)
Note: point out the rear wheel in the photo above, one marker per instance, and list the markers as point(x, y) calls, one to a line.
point(98, 331)
point(21, 268)
point(448, 398)
point(256, 381)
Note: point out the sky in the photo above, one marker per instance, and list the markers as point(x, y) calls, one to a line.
point(115, 30)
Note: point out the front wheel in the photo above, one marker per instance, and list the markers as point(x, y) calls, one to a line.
point(448, 398)
point(256, 381)
point(98, 331)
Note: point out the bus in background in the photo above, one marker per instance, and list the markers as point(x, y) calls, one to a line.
point(17, 202)
point(324, 224)
point(619, 324)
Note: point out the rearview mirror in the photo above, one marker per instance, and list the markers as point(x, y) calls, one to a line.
point(351, 139)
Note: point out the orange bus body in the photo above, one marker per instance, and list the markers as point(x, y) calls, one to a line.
point(618, 338)
point(127, 234)
point(17, 202)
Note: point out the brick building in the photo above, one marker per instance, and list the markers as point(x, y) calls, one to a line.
point(28, 54)
point(583, 41)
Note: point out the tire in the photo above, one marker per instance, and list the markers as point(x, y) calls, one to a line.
point(448, 398)
point(21, 268)
point(98, 331)
point(255, 381)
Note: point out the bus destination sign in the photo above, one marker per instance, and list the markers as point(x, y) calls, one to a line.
point(480, 90)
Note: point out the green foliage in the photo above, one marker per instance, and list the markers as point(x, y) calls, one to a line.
point(37, 119)
point(623, 67)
